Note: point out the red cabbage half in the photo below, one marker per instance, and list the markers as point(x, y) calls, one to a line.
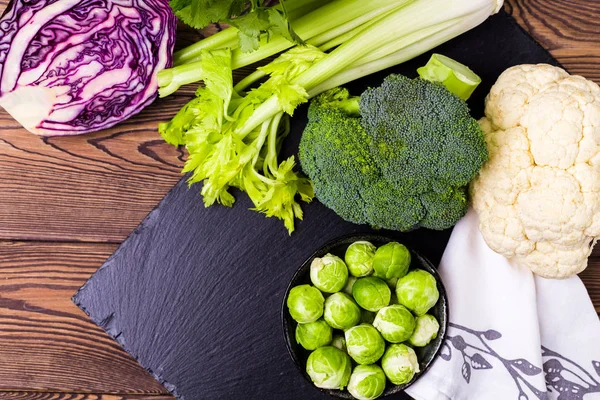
point(69, 67)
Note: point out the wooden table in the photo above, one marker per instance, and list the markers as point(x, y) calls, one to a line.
point(67, 203)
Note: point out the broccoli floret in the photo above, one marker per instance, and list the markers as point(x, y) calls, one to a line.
point(399, 157)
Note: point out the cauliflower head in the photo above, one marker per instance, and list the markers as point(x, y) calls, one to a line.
point(538, 196)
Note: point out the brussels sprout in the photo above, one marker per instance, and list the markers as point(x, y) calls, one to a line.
point(426, 330)
point(417, 291)
point(391, 261)
point(367, 382)
point(359, 258)
point(349, 284)
point(395, 323)
point(305, 304)
point(341, 312)
point(313, 335)
point(329, 368)
point(365, 344)
point(371, 293)
point(393, 298)
point(400, 363)
point(329, 273)
point(340, 342)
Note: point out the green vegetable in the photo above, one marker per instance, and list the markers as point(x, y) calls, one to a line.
point(456, 77)
point(371, 293)
point(359, 258)
point(340, 342)
point(399, 157)
point(221, 157)
point(400, 364)
point(349, 284)
point(329, 273)
point(305, 304)
point(367, 382)
point(329, 368)
point(417, 291)
point(257, 21)
point(233, 136)
point(313, 335)
point(395, 323)
point(324, 24)
point(391, 261)
point(341, 312)
point(365, 344)
point(427, 328)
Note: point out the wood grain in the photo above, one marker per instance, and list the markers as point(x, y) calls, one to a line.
point(569, 29)
point(97, 188)
point(76, 396)
point(46, 342)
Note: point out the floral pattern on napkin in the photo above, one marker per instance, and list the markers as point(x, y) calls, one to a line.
point(564, 377)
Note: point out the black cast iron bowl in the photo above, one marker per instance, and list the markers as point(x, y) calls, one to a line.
point(426, 355)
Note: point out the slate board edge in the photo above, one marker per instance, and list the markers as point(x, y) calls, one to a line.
point(105, 324)
point(537, 44)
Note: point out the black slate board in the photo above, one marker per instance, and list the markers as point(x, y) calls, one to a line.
point(194, 294)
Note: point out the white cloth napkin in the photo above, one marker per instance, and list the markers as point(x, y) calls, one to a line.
point(512, 335)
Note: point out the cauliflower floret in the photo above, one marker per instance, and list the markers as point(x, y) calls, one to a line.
point(538, 196)
point(509, 97)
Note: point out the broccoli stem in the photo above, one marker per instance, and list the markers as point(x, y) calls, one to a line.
point(350, 106)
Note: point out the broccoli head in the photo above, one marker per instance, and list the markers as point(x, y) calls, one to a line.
point(398, 157)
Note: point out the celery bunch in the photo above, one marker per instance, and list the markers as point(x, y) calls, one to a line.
point(233, 134)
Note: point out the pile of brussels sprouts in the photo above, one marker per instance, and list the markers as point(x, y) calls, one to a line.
point(379, 306)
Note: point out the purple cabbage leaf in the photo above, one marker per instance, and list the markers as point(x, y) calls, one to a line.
point(69, 67)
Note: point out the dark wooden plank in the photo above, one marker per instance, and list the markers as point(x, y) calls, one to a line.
point(46, 342)
point(76, 396)
point(569, 29)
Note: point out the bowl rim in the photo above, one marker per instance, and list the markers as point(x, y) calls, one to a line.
point(372, 237)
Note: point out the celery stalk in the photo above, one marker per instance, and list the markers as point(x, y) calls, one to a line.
point(330, 16)
point(228, 37)
point(354, 24)
point(437, 37)
point(416, 16)
point(456, 77)
point(349, 34)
